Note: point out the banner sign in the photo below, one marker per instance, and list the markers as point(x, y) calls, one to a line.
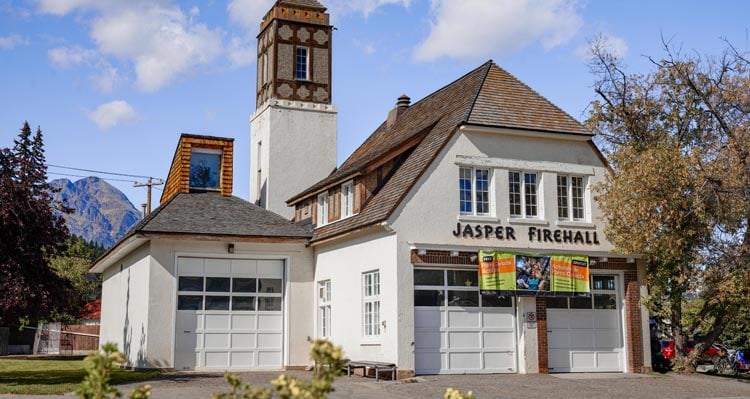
point(526, 274)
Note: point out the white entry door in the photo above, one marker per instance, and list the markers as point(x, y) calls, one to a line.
point(585, 334)
point(229, 314)
point(459, 331)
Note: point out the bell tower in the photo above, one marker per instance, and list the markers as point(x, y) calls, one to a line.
point(293, 129)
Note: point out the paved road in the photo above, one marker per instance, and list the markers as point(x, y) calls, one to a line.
point(560, 386)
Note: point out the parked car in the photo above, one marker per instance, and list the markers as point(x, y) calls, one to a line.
point(710, 355)
point(741, 361)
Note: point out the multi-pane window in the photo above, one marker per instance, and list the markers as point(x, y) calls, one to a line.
point(523, 194)
point(205, 167)
point(322, 208)
point(570, 198)
point(229, 293)
point(440, 288)
point(474, 191)
point(324, 308)
point(301, 70)
point(371, 302)
point(347, 199)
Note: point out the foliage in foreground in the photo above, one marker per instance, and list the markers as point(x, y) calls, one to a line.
point(32, 231)
point(329, 361)
point(678, 140)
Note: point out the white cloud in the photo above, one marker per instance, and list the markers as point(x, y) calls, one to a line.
point(482, 28)
point(12, 41)
point(364, 7)
point(67, 57)
point(248, 13)
point(112, 114)
point(368, 48)
point(612, 44)
point(242, 51)
point(160, 40)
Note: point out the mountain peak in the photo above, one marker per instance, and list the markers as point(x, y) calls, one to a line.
point(101, 212)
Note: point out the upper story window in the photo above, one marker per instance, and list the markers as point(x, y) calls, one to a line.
point(523, 194)
point(301, 65)
point(371, 303)
point(570, 198)
point(322, 208)
point(205, 164)
point(347, 199)
point(474, 191)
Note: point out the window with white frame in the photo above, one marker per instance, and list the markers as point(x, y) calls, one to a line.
point(324, 309)
point(570, 198)
point(523, 194)
point(371, 303)
point(474, 191)
point(301, 65)
point(322, 208)
point(347, 199)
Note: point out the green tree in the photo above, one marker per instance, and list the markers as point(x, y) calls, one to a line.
point(32, 231)
point(73, 265)
point(678, 140)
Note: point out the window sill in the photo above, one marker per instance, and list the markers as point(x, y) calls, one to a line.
point(528, 221)
point(371, 342)
point(478, 218)
point(570, 223)
point(336, 221)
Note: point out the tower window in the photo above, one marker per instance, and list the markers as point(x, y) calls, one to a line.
point(204, 168)
point(302, 66)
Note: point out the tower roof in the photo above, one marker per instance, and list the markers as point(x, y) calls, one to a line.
point(312, 4)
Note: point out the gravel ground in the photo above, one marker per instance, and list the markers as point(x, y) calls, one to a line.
point(610, 386)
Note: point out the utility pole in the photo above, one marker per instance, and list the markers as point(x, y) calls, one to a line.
point(150, 183)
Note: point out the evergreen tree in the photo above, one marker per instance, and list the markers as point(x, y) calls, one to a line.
point(32, 231)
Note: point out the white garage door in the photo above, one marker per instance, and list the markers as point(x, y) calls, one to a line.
point(585, 334)
point(229, 314)
point(457, 330)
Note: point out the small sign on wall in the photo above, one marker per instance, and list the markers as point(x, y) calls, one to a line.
point(531, 317)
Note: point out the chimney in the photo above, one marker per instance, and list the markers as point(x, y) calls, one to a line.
point(402, 103)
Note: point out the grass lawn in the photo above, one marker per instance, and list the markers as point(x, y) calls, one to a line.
point(47, 377)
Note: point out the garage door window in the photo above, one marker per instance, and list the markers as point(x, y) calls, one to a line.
point(225, 293)
point(457, 288)
point(602, 296)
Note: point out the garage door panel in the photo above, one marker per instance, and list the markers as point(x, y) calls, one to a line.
point(560, 339)
point(558, 319)
point(217, 267)
point(217, 322)
point(243, 341)
point(217, 359)
point(427, 339)
point(580, 319)
point(244, 322)
point(500, 360)
point(427, 318)
point(582, 339)
point(269, 340)
point(463, 319)
point(464, 339)
point(268, 359)
point(559, 359)
point(216, 340)
point(606, 319)
point(583, 360)
point(428, 362)
point(609, 360)
point(270, 268)
point(244, 267)
point(607, 339)
point(192, 266)
point(499, 339)
point(270, 322)
point(498, 319)
point(465, 360)
point(242, 360)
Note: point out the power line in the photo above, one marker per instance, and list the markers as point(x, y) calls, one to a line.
point(99, 171)
point(103, 178)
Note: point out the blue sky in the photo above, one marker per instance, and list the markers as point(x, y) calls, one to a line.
point(113, 83)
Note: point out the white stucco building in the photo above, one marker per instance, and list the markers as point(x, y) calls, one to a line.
point(382, 254)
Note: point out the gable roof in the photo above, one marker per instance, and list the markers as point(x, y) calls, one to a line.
point(212, 214)
point(312, 4)
point(486, 96)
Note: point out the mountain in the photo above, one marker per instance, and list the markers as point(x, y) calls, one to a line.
point(101, 212)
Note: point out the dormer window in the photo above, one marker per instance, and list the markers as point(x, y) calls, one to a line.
point(302, 65)
point(347, 199)
point(205, 164)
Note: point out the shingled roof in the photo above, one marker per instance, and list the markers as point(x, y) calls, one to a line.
point(312, 4)
point(486, 96)
point(211, 214)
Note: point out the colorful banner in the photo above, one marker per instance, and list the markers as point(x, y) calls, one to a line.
point(540, 275)
point(496, 271)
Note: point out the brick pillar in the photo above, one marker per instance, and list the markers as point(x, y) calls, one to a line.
point(541, 331)
point(633, 322)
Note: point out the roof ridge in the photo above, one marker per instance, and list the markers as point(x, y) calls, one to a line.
point(451, 83)
point(489, 65)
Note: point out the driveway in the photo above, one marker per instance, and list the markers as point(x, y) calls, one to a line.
point(556, 386)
